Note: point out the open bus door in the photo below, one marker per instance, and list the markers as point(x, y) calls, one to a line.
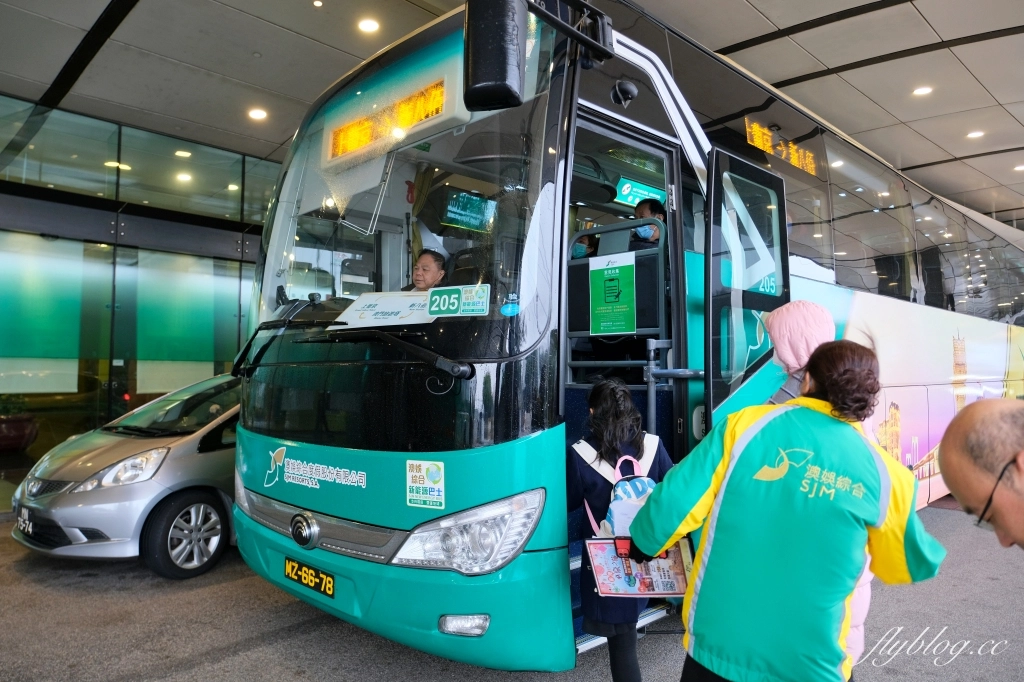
point(746, 273)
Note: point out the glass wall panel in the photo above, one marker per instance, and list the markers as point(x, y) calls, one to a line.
point(872, 220)
point(54, 342)
point(168, 173)
point(69, 152)
point(176, 322)
point(13, 113)
point(260, 179)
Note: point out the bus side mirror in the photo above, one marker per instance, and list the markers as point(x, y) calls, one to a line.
point(494, 71)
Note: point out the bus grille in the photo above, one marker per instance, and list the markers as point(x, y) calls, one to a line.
point(341, 536)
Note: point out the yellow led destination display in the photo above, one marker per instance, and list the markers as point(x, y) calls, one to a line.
point(393, 121)
point(766, 140)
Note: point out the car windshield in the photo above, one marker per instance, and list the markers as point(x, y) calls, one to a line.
point(183, 411)
point(399, 208)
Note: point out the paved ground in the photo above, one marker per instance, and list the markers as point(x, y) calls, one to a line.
point(116, 622)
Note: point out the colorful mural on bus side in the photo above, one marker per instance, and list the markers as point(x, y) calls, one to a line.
point(933, 362)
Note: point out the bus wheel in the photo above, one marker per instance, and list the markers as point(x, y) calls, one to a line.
point(184, 536)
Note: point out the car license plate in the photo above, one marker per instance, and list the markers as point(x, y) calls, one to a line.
point(313, 578)
point(25, 520)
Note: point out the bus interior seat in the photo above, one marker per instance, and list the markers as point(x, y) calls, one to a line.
point(613, 242)
point(469, 266)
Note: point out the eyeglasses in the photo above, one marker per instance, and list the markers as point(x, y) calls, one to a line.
point(981, 522)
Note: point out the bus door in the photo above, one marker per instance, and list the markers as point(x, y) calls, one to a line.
point(621, 275)
point(746, 276)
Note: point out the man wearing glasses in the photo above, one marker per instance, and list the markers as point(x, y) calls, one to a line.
point(982, 462)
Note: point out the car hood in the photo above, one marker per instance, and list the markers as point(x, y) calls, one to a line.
point(79, 458)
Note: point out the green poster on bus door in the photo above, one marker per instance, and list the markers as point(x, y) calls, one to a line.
point(613, 294)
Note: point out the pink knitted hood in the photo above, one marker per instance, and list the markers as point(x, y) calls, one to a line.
point(796, 329)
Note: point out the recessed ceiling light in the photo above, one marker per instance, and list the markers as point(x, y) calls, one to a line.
point(926, 234)
point(816, 236)
point(837, 164)
point(874, 272)
point(124, 166)
point(842, 194)
point(232, 188)
point(922, 91)
point(111, 164)
point(770, 206)
point(840, 253)
point(976, 133)
point(859, 189)
point(74, 156)
point(183, 154)
point(1018, 168)
point(257, 114)
point(883, 194)
point(50, 186)
point(927, 217)
point(184, 177)
point(145, 201)
point(917, 220)
point(329, 202)
point(318, 3)
point(877, 210)
point(296, 237)
point(368, 25)
point(398, 133)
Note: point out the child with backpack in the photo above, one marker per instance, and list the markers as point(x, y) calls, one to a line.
point(591, 463)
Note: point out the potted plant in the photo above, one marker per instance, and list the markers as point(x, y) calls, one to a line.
point(18, 428)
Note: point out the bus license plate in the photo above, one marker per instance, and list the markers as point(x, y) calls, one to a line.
point(25, 520)
point(313, 578)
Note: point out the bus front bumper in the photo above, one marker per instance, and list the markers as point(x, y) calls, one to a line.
point(527, 601)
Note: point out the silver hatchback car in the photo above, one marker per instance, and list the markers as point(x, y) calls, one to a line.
point(156, 483)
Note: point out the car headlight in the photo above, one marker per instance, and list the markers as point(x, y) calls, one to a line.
point(475, 541)
point(135, 469)
point(240, 497)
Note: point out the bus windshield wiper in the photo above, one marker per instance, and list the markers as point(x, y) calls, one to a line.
point(459, 370)
point(280, 326)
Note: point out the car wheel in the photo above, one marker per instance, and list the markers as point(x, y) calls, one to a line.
point(185, 535)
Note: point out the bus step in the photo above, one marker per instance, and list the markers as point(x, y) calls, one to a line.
point(586, 642)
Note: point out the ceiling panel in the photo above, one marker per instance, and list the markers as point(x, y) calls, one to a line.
point(712, 24)
point(992, 199)
point(125, 75)
point(21, 87)
point(223, 40)
point(188, 130)
point(958, 18)
point(997, 64)
point(1017, 111)
point(33, 47)
point(1000, 167)
point(868, 35)
point(949, 178)
point(892, 85)
point(1002, 131)
point(785, 13)
point(777, 60)
point(901, 146)
point(80, 13)
point(841, 104)
point(335, 23)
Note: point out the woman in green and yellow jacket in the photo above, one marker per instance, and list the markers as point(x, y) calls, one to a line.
point(791, 500)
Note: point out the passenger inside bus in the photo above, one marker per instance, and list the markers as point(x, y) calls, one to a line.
point(647, 236)
point(428, 272)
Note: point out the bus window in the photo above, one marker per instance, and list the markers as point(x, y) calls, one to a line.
point(747, 269)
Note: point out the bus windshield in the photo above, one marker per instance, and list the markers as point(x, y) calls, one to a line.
point(401, 209)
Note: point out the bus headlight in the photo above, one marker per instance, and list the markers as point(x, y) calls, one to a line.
point(475, 541)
